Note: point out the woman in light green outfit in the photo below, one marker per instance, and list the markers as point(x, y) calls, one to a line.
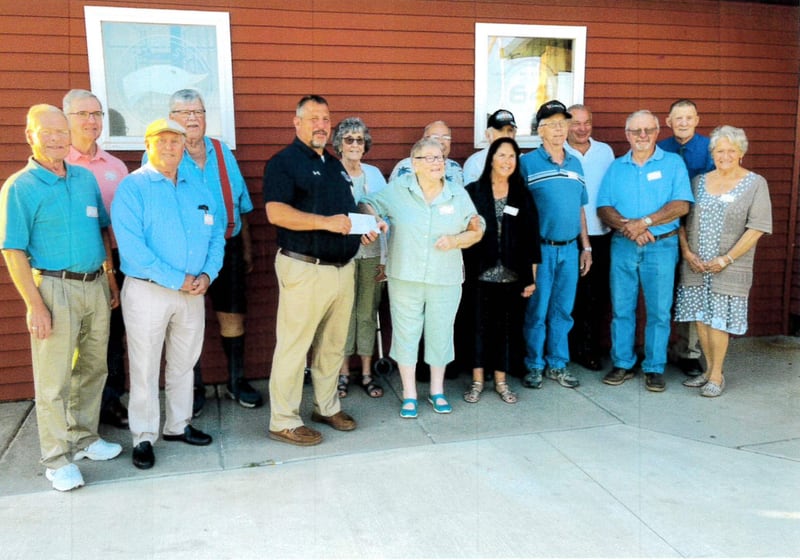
point(431, 221)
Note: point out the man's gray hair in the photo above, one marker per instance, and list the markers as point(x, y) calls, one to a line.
point(641, 113)
point(431, 125)
point(75, 95)
point(185, 96)
point(735, 136)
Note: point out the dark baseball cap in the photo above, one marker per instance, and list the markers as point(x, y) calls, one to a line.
point(501, 118)
point(551, 108)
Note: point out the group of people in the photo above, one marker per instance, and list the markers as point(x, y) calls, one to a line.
point(179, 229)
point(487, 262)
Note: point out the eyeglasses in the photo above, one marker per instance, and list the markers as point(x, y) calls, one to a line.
point(639, 131)
point(86, 114)
point(445, 137)
point(349, 140)
point(199, 113)
point(555, 125)
point(430, 159)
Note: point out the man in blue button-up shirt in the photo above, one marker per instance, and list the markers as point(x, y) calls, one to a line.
point(171, 248)
point(642, 197)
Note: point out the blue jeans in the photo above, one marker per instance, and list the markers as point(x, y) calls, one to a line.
point(548, 318)
point(652, 267)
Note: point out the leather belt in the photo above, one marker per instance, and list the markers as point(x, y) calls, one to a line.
point(67, 275)
point(665, 235)
point(311, 260)
point(556, 243)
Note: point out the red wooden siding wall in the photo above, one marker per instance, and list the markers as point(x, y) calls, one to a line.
point(401, 64)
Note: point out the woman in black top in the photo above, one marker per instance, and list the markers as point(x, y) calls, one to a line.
point(500, 270)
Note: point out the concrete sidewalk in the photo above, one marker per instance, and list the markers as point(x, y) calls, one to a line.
point(597, 471)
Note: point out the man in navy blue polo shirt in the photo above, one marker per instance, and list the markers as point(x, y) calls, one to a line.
point(308, 197)
point(555, 178)
point(693, 149)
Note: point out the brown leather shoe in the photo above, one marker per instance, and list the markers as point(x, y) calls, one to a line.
point(301, 435)
point(340, 421)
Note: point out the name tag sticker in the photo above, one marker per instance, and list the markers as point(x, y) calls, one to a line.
point(654, 176)
point(511, 210)
point(91, 211)
point(208, 219)
point(446, 210)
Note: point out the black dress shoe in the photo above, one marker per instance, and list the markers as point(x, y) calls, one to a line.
point(143, 456)
point(690, 366)
point(114, 414)
point(190, 435)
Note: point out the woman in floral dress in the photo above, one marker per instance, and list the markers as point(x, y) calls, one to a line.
point(732, 211)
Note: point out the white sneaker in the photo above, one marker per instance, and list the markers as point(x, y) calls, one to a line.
point(66, 478)
point(100, 450)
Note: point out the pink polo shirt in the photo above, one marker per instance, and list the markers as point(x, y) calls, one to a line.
point(107, 169)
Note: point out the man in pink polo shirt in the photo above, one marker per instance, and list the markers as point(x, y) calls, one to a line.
point(85, 115)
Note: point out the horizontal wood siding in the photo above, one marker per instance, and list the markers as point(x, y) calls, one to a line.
point(401, 64)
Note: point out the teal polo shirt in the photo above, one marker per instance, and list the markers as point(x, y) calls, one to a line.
point(55, 220)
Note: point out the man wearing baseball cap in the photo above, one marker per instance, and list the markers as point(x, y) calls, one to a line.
point(500, 124)
point(555, 178)
point(171, 249)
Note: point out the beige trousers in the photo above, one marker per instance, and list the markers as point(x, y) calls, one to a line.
point(69, 366)
point(314, 309)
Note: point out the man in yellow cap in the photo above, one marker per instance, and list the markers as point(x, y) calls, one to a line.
point(171, 249)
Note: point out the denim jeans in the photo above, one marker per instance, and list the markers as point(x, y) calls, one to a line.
point(652, 267)
point(548, 318)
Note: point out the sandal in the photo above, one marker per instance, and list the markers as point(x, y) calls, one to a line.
point(344, 381)
point(501, 387)
point(473, 394)
point(371, 388)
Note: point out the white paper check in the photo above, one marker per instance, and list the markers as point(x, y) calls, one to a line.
point(362, 223)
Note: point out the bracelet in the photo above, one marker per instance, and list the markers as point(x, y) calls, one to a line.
point(587, 249)
point(110, 271)
point(731, 260)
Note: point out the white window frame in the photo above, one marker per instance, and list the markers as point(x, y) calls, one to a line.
point(487, 97)
point(221, 125)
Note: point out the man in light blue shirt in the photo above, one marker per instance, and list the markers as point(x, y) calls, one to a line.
point(500, 124)
point(555, 178)
point(642, 197)
point(171, 247)
point(228, 293)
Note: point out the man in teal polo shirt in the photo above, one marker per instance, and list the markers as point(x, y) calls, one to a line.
point(555, 178)
point(54, 238)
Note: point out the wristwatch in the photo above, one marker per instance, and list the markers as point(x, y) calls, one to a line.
point(647, 221)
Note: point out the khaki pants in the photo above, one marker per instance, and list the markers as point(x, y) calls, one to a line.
point(69, 366)
point(314, 309)
point(157, 317)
